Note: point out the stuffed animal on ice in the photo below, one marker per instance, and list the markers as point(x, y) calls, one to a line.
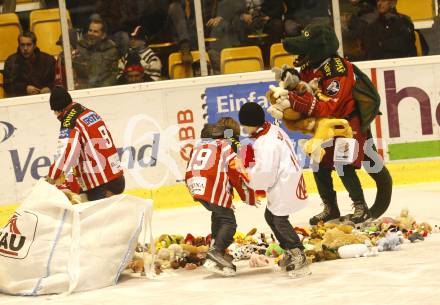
point(357, 250)
point(258, 260)
point(323, 129)
point(391, 242)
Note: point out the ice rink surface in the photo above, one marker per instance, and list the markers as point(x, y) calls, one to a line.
point(409, 276)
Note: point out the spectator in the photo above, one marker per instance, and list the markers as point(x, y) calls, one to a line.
point(133, 71)
point(165, 20)
point(96, 62)
point(209, 8)
point(60, 68)
point(301, 13)
point(28, 71)
point(263, 16)
point(393, 33)
point(272, 16)
point(224, 26)
point(148, 59)
point(355, 20)
point(120, 16)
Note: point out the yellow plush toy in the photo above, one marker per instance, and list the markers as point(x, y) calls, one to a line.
point(322, 129)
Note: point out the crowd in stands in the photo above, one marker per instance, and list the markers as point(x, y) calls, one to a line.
point(129, 41)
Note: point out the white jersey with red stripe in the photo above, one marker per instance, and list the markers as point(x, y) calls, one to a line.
point(277, 171)
point(85, 146)
point(211, 174)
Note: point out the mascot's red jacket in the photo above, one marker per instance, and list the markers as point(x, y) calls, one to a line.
point(336, 80)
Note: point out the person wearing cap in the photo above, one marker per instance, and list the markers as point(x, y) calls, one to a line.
point(276, 170)
point(86, 148)
point(148, 60)
point(29, 71)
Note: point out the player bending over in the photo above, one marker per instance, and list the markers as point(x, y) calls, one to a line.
point(85, 146)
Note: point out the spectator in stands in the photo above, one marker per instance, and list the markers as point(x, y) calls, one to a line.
point(355, 20)
point(164, 20)
point(60, 68)
point(263, 16)
point(133, 71)
point(120, 16)
point(300, 13)
point(224, 26)
point(209, 8)
point(96, 62)
point(393, 33)
point(28, 71)
point(148, 59)
point(272, 12)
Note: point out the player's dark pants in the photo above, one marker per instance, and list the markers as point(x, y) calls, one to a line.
point(223, 225)
point(108, 189)
point(283, 231)
point(324, 182)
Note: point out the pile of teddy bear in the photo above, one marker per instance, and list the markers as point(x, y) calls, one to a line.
point(325, 241)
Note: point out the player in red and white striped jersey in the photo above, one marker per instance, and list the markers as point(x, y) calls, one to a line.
point(86, 147)
point(210, 176)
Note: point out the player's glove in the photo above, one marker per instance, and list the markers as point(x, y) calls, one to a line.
point(305, 103)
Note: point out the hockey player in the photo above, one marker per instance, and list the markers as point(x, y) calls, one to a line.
point(277, 171)
point(86, 147)
point(210, 177)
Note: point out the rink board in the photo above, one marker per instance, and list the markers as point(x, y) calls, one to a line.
point(154, 125)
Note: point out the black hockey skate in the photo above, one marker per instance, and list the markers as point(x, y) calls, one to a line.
point(361, 213)
point(216, 263)
point(296, 263)
point(331, 211)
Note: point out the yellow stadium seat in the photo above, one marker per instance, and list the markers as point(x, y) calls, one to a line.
point(9, 31)
point(177, 70)
point(279, 56)
point(419, 11)
point(241, 59)
point(2, 90)
point(47, 27)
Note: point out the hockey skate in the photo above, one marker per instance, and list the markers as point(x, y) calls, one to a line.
point(361, 213)
point(296, 263)
point(216, 263)
point(330, 212)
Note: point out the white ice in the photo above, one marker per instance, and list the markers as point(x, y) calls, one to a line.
point(409, 276)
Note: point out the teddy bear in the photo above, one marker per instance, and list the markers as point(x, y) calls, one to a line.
point(288, 80)
point(335, 238)
point(405, 221)
point(323, 129)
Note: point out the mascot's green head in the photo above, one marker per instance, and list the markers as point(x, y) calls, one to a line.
point(316, 43)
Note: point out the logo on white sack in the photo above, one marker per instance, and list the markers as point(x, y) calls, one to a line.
point(18, 234)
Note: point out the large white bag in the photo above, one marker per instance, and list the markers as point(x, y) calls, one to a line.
point(50, 246)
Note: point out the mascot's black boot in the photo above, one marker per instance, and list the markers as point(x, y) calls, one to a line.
point(331, 211)
point(361, 212)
